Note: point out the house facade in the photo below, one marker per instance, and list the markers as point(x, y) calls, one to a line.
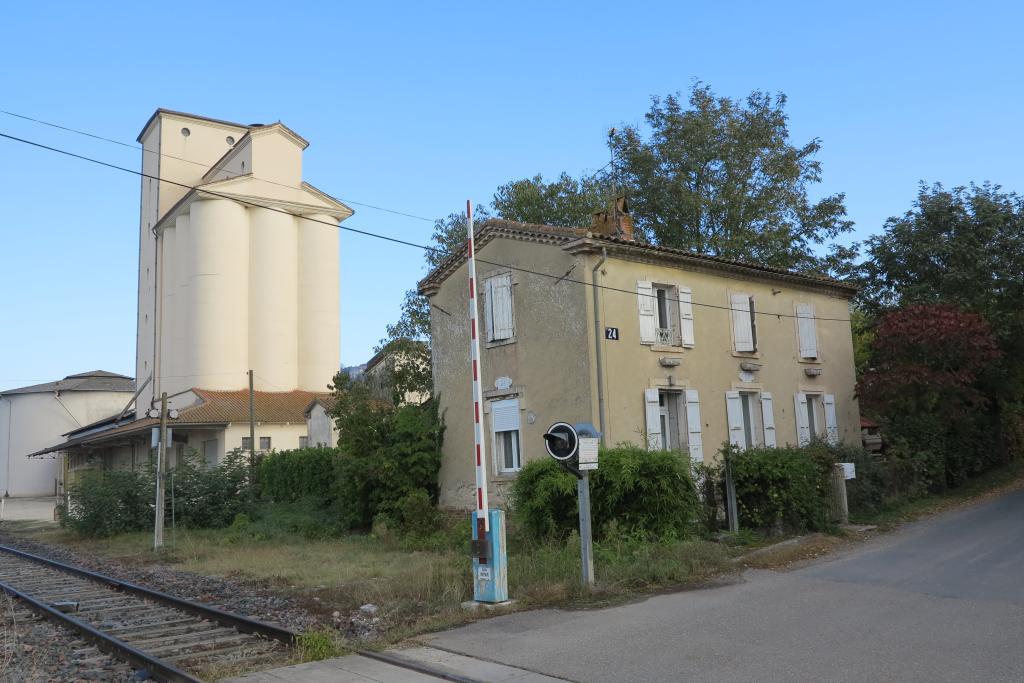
point(654, 346)
point(379, 371)
point(34, 417)
point(238, 272)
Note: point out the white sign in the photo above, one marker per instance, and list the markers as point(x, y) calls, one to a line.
point(503, 383)
point(849, 470)
point(588, 453)
point(483, 573)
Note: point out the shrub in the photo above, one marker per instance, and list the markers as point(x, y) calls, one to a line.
point(288, 476)
point(210, 497)
point(782, 488)
point(386, 455)
point(641, 492)
point(109, 502)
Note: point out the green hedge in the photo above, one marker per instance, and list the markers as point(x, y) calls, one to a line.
point(781, 489)
point(641, 492)
point(290, 476)
point(109, 502)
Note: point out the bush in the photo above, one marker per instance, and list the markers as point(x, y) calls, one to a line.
point(109, 502)
point(209, 497)
point(288, 476)
point(782, 488)
point(387, 454)
point(641, 492)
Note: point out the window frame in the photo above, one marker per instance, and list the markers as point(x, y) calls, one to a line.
point(516, 441)
point(488, 308)
point(269, 445)
point(246, 443)
point(303, 440)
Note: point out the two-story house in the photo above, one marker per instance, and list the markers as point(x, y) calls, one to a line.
point(655, 346)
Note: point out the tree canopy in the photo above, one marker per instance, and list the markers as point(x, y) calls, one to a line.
point(720, 176)
point(566, 201)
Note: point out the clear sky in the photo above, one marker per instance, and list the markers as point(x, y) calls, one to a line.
point(418, 107)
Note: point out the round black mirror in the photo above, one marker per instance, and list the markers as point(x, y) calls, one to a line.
point(561, 441)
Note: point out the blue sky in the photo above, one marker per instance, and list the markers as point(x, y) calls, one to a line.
point(418, 107)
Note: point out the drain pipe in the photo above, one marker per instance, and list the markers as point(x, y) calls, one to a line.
point(598, 342)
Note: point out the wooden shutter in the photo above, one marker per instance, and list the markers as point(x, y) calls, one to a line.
point(734, 413)
point(742, 330)
point(803, 429)
point(768, 419)
point(831, 426)
point(645, 304)
point(806, 331)
point(686, 315)
point(693, 438)
point(652, 412)
point(500, 303)
point(489, 308)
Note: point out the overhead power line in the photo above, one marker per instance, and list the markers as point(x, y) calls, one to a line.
point(165, 155)
point(395, 240)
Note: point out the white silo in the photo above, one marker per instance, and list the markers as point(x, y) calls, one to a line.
point(319, 301)
point(273, 297)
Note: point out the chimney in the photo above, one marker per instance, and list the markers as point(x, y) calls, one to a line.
point(617, 223)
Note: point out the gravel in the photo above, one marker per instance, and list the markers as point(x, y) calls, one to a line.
point(232, 595)
point(33, 650)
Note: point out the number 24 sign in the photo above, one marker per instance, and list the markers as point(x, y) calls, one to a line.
point(611, 333)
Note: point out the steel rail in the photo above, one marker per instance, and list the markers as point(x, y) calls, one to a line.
point(243, 624)
point(156, 668)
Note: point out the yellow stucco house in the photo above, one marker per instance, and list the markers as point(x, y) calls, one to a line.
point(672, 349)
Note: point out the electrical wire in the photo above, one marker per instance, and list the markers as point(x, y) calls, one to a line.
point(192, 161)
point(387, 238)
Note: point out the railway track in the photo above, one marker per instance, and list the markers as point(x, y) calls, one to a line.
point(168, 637)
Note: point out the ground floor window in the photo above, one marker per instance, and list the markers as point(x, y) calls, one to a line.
point(264, 443)
point(303, 442)
point(505, 430)
point(246, 443)
point(751, 419)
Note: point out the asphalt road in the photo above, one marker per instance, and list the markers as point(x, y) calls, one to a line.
point(940, 600)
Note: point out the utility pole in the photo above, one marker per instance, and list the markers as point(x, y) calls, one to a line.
point(252, 436)
point(161, 463)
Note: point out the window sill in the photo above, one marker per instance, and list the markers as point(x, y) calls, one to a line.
point(505, 476)
point(499, 342)
point(746, 354)
point(809, 361)
point(667, 349)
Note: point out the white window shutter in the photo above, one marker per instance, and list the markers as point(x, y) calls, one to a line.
point(806, 331)
point(686, 315)
point(803, 429)
point(743, 333)
point(652, 412)
point(489, 308)
point(734, 413)
point(500, 289)
point(645, 304)
point(831, 425)
point(505, 415)
point(768, 419)
point(693, 438)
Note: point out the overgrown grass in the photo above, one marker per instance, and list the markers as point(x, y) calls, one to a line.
point(417, 581)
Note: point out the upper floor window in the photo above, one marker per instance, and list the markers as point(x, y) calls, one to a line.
point(744, 325)
point(498, 309)
point(666, 314)
point(806, 331)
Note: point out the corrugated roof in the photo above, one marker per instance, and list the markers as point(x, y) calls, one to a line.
point(94, 380)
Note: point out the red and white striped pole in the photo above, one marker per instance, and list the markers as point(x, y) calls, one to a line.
point(478, 394)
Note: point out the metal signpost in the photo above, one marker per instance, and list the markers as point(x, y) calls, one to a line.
point(565, 442)
point(490, 574)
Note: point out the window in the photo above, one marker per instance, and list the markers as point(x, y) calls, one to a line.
point(505, 427)
point(210, 452)
point(673, 421)
point(498, 309)
point(246, 443)
point(744, 325)
point(264, 443)
point(303, 442)
point(751, 418)
point(816, 418)
point(666, 314)
point(806, 332)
